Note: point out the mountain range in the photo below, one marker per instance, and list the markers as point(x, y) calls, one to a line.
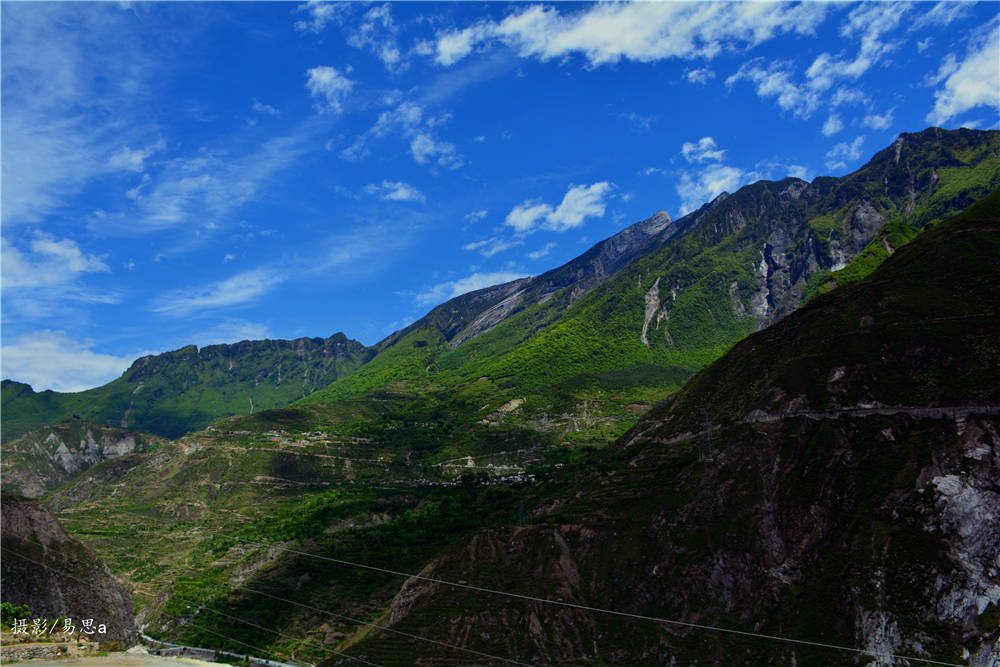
point(776, 414)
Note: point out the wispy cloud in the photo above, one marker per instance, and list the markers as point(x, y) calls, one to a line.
point(580, 202)
point(63, 126)
point(710, 177)
point(492, 246)
point(643, 32)
point(320, 13)
point(48, 359)
point(329, 87)
point(703, 150)
point(48, 262)
point(867, 22)
point(418, 128)
point(833, 125)
point(878, 122)
point(450, 289)
point(700, 75)
point(476, 216)
point(775, 80)
point(239, 289)
point(974, 82)
point(260, 107)
point(395, 191)
point(542, 252)
point(841, 154)
point(207, 187)
point(377, 33)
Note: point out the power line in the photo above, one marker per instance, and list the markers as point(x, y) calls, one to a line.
point(388, 629)
point(258, 649)
point(282, 634)
point(573, 605)
point(612, 612)
point(219, 634)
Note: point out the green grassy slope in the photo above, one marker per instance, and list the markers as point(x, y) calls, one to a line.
point(731, 267)
point(172, 393)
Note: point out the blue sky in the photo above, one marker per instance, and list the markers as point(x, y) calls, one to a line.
point(179, 173)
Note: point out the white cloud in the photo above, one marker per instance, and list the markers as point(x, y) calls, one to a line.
point(239, 289)
point(699, 187)
point(320, 14)
point(492, 246)
point(704, 150)
point(775, 81)
point(643, 32)
point(476, 216)
point(974, 82)
point(63, 124)
point(207, 187)
point(54, 360)
point(396, 191)
point(542, 252)
point(479, 139)
point(841, 154)
point(449, 290)
point(134, 160)
point(833, 125)
point(265, 108)
point(329, 86)
point(868, 22)
point(845, 95)
point(702, 75)
point(49, 262)
point(941, 14)
point(924, 44)
point(580, 202)
point(798, 171)
point(453, 46)
point(377, 34)
point(410, 120)
point(425, 148)
point(877, 122)
point(649, 171)
point(524, 217)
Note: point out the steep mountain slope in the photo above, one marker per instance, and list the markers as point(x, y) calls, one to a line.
point(175, 392)
point(690, 288)
point(56, 575)
point(45, 459)
point(830, 479)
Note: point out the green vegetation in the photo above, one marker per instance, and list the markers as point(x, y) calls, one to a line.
point(176, 392)
point(400, 463)
point(9, 613)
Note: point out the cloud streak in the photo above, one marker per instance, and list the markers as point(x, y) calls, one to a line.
point(641, 32)
point(579, 202)
point(450, 289)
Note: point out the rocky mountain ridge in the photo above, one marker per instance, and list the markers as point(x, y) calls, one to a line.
point(873, 527)
point(172, 393)
point(45, 459)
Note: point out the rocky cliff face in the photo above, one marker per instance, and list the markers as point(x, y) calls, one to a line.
point(55, 575)
point(47, 458)
point(832, 479)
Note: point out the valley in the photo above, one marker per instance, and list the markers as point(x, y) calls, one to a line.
point(763, 433)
